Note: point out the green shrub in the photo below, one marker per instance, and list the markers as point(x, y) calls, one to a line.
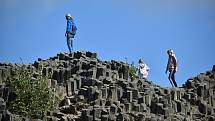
point(32, 96)
point(132, 72)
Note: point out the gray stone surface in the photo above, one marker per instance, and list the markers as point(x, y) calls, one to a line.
point(95, 90)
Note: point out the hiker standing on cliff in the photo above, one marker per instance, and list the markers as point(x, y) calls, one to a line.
point(70, 31)
point(171, 67)
point(143, 69)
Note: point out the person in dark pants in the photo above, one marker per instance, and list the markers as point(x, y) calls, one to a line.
point(172, 67)
point(70, 31)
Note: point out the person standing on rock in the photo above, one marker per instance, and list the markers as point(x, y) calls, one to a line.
point(143, 69)
point(171, 67)
point(70, 31)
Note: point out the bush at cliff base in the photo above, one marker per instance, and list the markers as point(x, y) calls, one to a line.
point(30, 96)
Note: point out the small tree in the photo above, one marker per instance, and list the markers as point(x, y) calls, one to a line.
point(32, 95)
point(132, 72)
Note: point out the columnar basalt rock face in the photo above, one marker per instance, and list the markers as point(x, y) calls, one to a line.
point(95, 90)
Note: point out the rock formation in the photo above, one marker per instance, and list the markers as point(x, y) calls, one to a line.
point(95, 90)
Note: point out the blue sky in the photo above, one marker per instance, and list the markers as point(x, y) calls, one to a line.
point(115, 29)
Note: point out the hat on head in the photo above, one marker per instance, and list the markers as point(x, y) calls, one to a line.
point(170, 51)
point(68, 15)
point(141, 61)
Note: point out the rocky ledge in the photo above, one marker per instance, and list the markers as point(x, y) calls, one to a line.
point(95, 90)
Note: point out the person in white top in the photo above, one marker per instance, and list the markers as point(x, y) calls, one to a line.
point(143, 69)
point(171, 67)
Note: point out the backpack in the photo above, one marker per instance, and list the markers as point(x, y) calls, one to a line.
point(74, 29)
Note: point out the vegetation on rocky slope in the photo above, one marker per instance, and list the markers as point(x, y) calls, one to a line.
point(30, 96)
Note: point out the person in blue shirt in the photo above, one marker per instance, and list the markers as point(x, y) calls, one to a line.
point(70, 31)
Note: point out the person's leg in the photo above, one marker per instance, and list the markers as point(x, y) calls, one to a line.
point(173, 78)
point(170, 75)
point(140, 75)
point(72, 37)
point(69, 42)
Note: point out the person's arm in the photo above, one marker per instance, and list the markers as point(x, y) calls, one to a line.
point(167, 66)
point(66, 28)
point(175, 63)
point(147, 68)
